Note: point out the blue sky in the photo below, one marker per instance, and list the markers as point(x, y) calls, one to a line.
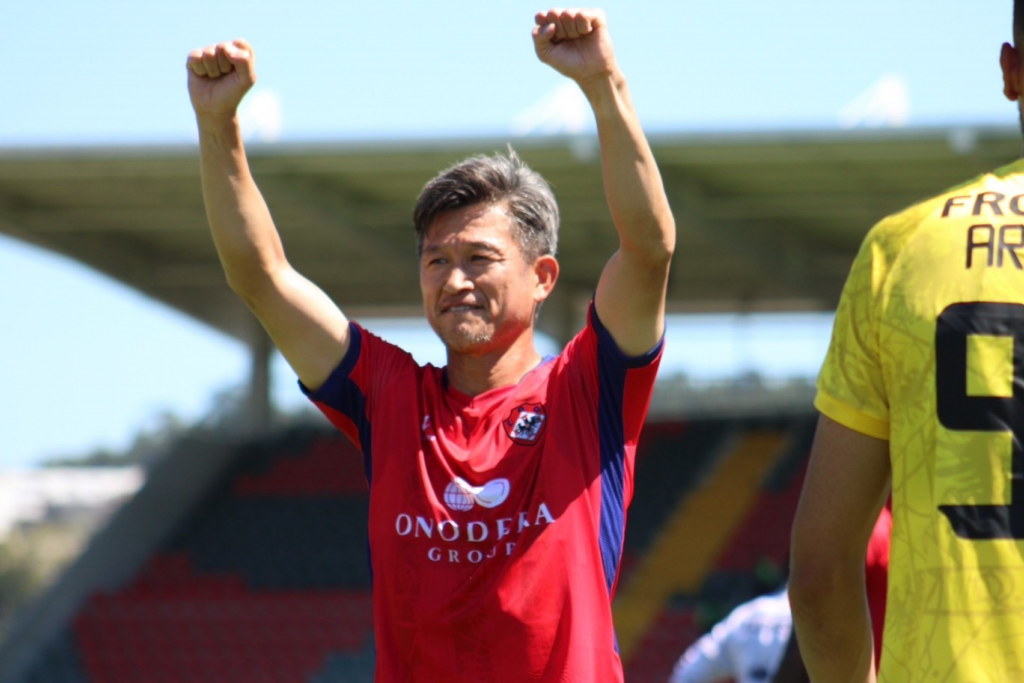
point(112, 71)
point(86, 363)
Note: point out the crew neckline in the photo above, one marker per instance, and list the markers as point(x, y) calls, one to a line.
point(467, 399)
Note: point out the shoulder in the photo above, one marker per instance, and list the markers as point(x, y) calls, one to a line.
point(887, 237)
point(370, 364)
point(595, 343)
point(376, 347)
point(888, 240)
point(993, 194)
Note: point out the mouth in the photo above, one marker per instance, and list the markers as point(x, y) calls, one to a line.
point(461, 308)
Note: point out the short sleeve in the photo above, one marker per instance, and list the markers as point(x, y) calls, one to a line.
point(851, 386)
point(360, 382)
point(622, 383)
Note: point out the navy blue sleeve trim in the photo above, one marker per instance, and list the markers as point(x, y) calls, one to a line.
point(605, 338)
point(345, 367)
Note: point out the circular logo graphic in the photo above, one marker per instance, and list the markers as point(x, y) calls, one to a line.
point(457, 498)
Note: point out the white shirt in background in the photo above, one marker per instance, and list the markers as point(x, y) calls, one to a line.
point(747, 646)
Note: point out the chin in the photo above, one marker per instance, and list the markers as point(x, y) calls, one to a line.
point(466, 341)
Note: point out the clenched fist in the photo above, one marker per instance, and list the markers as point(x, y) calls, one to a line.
point(219, 76)
point(575, 42)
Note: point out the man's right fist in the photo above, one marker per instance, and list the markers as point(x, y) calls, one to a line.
point(219, 76)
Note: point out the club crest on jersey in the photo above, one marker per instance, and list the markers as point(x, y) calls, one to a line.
point(462, 496)
point(525, 424)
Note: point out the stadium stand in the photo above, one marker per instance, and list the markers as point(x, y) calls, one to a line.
point(726, 542)
point(264, 577)
point(264, 580)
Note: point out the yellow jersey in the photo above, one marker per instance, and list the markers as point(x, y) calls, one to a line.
point(928, 352)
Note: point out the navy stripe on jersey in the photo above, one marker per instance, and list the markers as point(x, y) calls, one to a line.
point(350, 400)
point(613, 367)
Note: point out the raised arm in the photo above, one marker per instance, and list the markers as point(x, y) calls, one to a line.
point(630, 297)
point(304, 323)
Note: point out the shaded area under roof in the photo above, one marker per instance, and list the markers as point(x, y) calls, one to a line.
point(766, 221)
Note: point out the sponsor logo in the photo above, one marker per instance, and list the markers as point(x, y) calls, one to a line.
point(462, 496)
point(475, 541)
point(525, 424)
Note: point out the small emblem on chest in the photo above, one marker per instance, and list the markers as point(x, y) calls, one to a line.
point(525, 424)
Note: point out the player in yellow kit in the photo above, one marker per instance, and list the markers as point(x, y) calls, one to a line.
point(923, 390)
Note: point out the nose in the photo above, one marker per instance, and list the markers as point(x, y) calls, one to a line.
point(457, 280)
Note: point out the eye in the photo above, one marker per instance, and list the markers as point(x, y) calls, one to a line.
point(437, 261)
point(480, 258)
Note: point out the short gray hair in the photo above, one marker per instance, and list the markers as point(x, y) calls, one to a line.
point(497, 180)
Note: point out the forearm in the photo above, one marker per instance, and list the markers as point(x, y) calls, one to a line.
point(243, 231)
point(632, 182)
point(830, 614)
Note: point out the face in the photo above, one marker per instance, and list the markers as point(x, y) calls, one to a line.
point(479, 292)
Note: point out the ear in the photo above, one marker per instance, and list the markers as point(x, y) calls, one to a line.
point(545, 269)
point(1009, 61)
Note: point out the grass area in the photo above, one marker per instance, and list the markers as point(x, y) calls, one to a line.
point(32, 558)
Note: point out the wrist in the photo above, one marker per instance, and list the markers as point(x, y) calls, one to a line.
point(604, 90)
point(218, 126)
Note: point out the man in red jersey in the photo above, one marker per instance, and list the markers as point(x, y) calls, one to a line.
point(498, 484)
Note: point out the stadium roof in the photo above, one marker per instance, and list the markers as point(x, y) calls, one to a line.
point(766, 221)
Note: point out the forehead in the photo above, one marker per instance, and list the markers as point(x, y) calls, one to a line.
point(488, 224)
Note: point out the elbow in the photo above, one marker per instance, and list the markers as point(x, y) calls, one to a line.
point(251, 269)
point(807, 584)
point(658, 258)
point(816, 581)
point(655, 252)
point(252, 285)
point(666, 241)
point(245, 285)
point(661, 243)
point(662, 250)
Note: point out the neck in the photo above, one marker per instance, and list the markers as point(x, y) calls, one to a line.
point(474, 374)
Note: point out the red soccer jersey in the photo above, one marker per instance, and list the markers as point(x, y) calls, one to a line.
point(496, 521)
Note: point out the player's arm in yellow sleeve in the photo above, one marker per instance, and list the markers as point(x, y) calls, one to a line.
point(847, 482)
